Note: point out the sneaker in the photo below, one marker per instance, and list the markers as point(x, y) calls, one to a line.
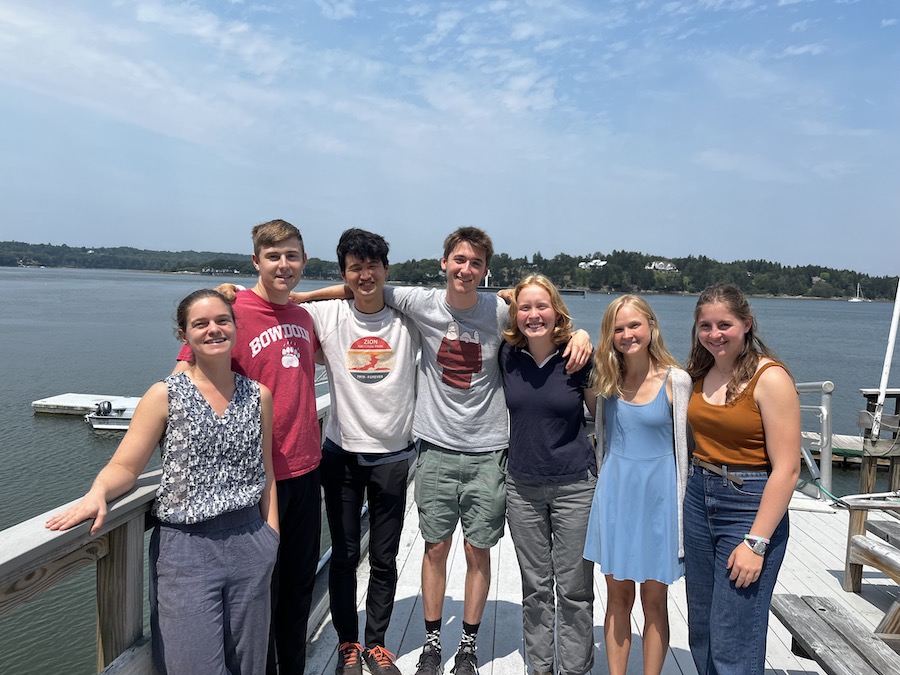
point(348, 659)
point(429, 663)
point(379, 661)
point(465, 663)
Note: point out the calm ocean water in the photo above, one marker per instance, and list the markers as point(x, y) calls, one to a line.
point(111, 332)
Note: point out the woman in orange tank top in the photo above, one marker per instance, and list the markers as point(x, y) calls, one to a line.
point(745, 417)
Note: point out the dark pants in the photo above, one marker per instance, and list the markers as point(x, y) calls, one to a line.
point(300, 514)
point(345, 484)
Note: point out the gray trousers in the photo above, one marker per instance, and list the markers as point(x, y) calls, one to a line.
point(210, 594)
point(548, 523)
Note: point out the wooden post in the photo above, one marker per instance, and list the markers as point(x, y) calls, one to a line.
point(120, 591)
point(853, 571)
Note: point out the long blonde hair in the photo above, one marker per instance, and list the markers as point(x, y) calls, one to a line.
point(609, 364)
point(562, 331)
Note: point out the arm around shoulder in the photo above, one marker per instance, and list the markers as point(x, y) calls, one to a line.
point(578, 351)
point(336, 292)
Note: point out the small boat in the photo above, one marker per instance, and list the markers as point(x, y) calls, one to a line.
point(859, 297)
point(114, 414)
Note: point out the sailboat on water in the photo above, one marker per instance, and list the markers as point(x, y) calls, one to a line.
point(859, 297)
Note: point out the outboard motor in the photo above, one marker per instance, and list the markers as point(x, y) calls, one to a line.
point(104, 408)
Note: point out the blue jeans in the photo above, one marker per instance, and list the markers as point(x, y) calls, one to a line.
point(727, 625)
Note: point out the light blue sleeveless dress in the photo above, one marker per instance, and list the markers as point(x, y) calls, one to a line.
point(633, 527)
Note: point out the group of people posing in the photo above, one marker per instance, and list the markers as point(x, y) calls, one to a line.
point(691, 474)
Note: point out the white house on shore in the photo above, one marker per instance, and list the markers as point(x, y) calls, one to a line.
point(660, 266)
point(588, 264)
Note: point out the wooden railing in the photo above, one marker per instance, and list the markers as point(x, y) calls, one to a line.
point(34, 559)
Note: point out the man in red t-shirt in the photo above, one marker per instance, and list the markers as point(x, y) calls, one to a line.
point(275, 345)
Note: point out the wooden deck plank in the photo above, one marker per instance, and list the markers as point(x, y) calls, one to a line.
point(813, 566)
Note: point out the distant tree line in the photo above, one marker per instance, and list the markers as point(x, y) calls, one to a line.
point(619, 271)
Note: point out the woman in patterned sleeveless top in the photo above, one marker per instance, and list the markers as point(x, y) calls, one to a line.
point(744, 414)
point(214, 548)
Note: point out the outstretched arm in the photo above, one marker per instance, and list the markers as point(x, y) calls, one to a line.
point(129, 460)
point(337, 292)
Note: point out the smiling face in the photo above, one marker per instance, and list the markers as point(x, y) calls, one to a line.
point(535, 316)
point(719, 331)
point(280, 267)
point(631, 331)
point(365, 277)
point(209, 327)
point(465, 267)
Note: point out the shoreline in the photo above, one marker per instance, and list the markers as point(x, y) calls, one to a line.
point(485, 289)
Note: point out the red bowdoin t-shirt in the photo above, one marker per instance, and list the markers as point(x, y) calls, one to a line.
point(275, 346)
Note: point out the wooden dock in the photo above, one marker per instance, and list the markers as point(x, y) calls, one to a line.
point(33, 559)
point(814, 565)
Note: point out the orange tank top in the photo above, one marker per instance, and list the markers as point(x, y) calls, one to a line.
point(730, 434)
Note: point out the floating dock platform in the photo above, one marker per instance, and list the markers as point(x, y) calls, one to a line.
point(72, 404)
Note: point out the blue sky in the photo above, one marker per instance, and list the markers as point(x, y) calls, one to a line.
point(734, 129)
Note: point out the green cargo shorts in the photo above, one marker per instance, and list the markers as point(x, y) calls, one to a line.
point(461, 486)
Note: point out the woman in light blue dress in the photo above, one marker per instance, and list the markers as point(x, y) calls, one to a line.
point(635, 525)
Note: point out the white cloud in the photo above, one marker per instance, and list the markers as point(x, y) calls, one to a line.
point(525, 31)
point(444, 24)
point(742, 77)
point(803, 50)
point(260, 53)
point(337, 10)
point(818, 128)
point(750, 167)
point(888, 22)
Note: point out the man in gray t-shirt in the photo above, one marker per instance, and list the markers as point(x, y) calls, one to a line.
point(462, 426)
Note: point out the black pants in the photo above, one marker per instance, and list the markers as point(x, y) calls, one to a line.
point(300, 515)
point(345, 484)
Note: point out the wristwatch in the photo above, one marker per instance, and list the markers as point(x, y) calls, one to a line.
point(756, 544)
